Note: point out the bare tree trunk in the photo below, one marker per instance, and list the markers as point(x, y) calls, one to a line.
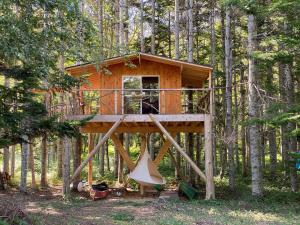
point(6, 148)
point(178, 158)
point(177, 51)
point(116, 162)
point(77, 160)
point(127, 146)
point(121, 26)
point(152, 27)
point(44, 161)
point(142, 39)
point(213, 64)
point(243, 129)
point(102, 154)
point(31, 165)
point(117, 26)
point(254, 132)
point(236, 125)
point(121, 163)
point(100, 27)
point(126, 27)
point(107, 156)
point(190, 31)
point(61, 103)
point(228, 98)
point(66, 166)
point(24, 156)
point(13, 161)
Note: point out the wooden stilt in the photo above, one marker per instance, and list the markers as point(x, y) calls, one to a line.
point(181, 150)
point(209, 172)
point(90, 147)
point(97, 147)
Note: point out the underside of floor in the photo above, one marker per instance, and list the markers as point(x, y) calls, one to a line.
point(133, 123)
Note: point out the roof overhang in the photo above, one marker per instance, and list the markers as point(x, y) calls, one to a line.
point(189, 71)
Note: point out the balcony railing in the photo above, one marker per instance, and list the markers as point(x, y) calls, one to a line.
point(137, 101)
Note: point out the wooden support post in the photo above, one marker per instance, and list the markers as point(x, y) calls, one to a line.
point(122, 152)
point(143, 143)
point(164, 149)
point(66, 166)
point(97, 147)
point(210, 186)
point(90, 147)
point(181, 150)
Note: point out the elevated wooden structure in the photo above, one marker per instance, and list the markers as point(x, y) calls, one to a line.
point(144, 93)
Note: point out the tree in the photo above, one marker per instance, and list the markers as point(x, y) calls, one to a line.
point(253, 111)
point(228, 97)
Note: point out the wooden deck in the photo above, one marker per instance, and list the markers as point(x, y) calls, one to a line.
point(133, 123)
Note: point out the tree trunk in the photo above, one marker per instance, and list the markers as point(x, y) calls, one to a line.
point(116, 162)
point(127, 146)
point(178, 158)
point(31, 165)
point(153, 27)
point(126, 27)
point(121, 163)
point(228, 98)
point(243, 129)
point(253, 111)
point(121, 26)
point(190, 31)
point(66, 166)
point(24, 156)
point(107, 156)
point(177, 51)
point(44, 161)
point(77, 160)
point(100, 27)
point(6, 148)
point(102, 154)
point(13, 161)
point(117, 27)
point(142, 39)
point(213, 64)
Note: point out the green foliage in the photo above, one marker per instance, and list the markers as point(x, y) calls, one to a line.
point(123, 216)
point(34, 34)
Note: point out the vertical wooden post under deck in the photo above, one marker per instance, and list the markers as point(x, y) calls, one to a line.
point(208, 145)
point(210, 186)
point(90, 147)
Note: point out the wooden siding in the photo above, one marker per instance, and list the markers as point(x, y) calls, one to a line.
point(169, 77)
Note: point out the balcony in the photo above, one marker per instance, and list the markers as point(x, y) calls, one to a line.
point(141, 101)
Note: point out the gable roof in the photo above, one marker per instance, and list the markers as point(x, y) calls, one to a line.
point(188, 70)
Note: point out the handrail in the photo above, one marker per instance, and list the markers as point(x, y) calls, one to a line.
point(141, 89)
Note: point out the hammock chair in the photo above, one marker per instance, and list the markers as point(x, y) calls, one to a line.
point(146, 173)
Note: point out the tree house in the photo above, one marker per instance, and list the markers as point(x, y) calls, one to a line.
point(145, 93)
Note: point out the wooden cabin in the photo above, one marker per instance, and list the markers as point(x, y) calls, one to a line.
point(145, 93)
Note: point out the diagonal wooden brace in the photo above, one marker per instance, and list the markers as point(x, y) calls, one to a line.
point(122, 152)
point(164, 149)
point(181, 150)
point(97, 147)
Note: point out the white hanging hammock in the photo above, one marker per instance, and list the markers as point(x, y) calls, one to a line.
point(145, 172)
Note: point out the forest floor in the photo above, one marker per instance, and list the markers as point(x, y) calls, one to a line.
point(48, 207)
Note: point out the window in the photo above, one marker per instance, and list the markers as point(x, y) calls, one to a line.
point(136, 98)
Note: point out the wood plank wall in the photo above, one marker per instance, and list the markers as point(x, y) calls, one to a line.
point(169, 77)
